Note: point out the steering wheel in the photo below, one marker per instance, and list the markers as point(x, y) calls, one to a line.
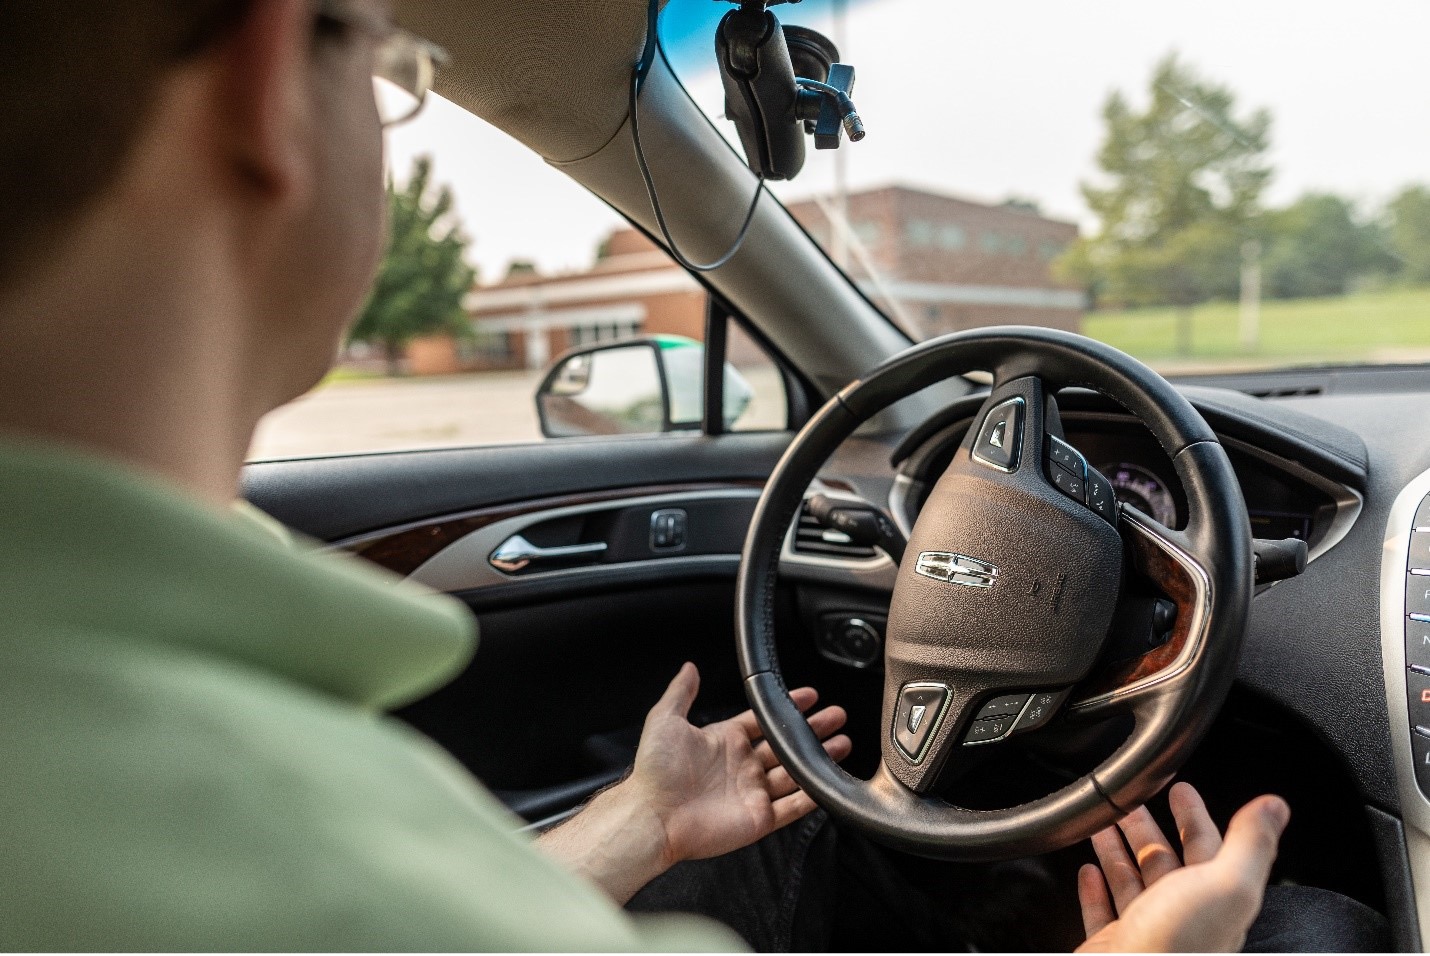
point(1006, 593)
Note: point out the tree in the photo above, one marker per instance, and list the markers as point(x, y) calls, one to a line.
point(1409, 214)
point(1180, 191)
point(1319, 246)
point(424, 277)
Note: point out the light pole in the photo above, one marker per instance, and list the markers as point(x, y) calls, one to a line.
point(1251, 294)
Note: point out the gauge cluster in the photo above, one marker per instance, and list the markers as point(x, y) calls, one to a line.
point(1283, 500)
point(1141, 488)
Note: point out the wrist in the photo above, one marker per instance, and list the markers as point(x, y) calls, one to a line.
point(617, 842)
point(631, 811)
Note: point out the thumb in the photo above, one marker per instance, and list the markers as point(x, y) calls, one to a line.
point(680, 694)
point(1249, 848)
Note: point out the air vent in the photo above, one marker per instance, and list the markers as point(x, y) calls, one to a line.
point(813, 538)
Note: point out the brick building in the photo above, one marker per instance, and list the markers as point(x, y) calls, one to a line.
point(941, 264)
point(936, 263)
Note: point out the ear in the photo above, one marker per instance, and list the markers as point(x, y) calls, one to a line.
point(266, 64)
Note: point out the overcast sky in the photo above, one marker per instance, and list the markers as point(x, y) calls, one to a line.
point(998, 98)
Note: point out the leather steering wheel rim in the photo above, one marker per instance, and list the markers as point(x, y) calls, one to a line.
point(1172, 697)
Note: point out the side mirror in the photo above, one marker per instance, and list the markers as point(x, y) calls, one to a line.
point(635, 387)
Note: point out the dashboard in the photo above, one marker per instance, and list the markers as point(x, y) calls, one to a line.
point(1284, 499)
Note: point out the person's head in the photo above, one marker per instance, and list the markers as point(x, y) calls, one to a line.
point(235, 139)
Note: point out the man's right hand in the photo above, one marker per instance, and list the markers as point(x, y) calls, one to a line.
point(1204, 901)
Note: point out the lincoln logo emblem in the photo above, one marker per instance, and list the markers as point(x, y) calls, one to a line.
point(956, 569)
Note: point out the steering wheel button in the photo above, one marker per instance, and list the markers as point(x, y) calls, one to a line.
point(987, 730)
point(1100, 496)
point(1009, 705)
point(1067, 484)
point(1001, 436)
point(1062, 454)
point(918, 716)
point(1039, 711)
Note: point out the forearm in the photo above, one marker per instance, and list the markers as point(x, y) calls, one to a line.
point(616, 842)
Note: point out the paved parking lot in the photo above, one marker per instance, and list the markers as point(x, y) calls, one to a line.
point(388, 414)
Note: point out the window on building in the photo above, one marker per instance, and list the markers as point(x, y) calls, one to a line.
point(597, 332)
point(991, 242)
point(486, 346)
point(951, 237)
point(919, 232)
point(1015, 245)
point(1049, 249)
point(868, 233)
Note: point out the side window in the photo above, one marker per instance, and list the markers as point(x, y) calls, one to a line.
point(768, 405)
point(497, 267)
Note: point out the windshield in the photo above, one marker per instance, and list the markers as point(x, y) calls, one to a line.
point(1209, 187)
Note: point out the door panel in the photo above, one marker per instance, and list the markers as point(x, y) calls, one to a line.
point(572, 654)
point(558, 688)
point(336, 498)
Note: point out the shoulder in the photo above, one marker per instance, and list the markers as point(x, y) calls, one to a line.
point(168, 801)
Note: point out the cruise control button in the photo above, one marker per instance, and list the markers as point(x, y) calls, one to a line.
point(1100, 496)
point(1067, 484)
point(987, 730)
point(1009, 705)
point(1040, 710)
point(1001, 436)
point(1065, 455)
point(1420, 549)
point(1417, 688)
point(1420, 755)
point(1417, 593)
point(1417, 644)
point(918, 715)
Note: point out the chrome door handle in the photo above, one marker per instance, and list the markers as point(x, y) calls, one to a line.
point(515, 553)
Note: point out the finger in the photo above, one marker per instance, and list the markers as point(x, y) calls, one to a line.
point(680, 694)
point(1092, 895)
point(1252, 837)
point(1154, 854)
point(791, 808)
point(778, 781)
point(1121, 873)
point(1200, 837)
point(804, 698)
point(824, 723)
point(827, 721)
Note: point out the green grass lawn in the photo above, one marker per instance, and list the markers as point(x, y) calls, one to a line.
point(1384, 326)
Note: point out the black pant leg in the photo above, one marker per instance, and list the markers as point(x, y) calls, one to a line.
point(754, 891)
point(1304, 919)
